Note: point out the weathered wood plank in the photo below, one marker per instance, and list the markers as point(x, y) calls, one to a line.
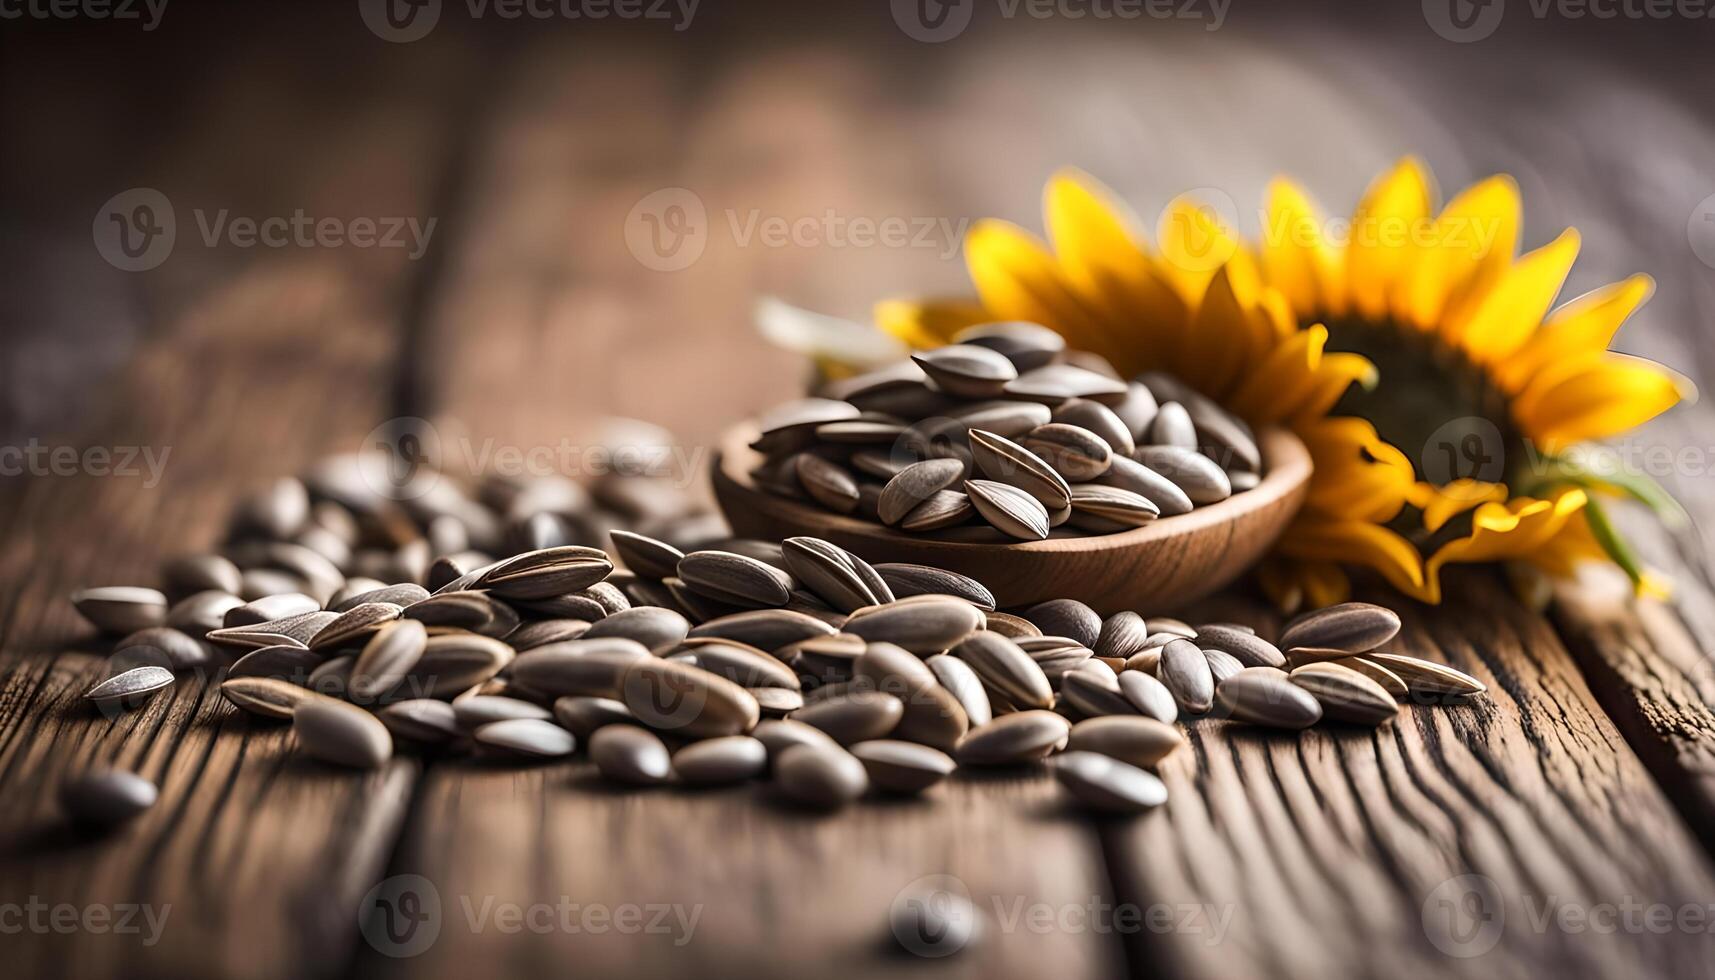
point(252, 364)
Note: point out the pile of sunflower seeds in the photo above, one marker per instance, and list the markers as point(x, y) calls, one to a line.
point(1006, 435)
point(798, 662)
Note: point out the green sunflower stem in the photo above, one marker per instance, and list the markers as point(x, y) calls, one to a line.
point(1602, 527)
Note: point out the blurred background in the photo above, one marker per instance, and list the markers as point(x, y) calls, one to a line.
point(578, 204)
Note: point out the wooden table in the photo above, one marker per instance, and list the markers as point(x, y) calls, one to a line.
point(1584, 782)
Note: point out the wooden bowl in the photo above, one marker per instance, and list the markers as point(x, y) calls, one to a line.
point(1148, 569)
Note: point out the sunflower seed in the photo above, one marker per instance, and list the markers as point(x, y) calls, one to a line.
point(130, 688)
point(1003, 418)
point(1052, 384)
point(1068, 618)
point(959, 680)
point(1108, 510)
point(1242, 481)
point(1223, 438)
point(1148, 696)
point(1107, 784)
point(266, 696)
point(190, 574)
point(355, 626)
point(342, 734)
point(651, 626)
point(743, 665)
point(629, 754)
point(1424, 678)
point(1075, 453)
point(1248, 648)
point(1266, 696)
point(861, 431)
point(1194, 473)
point(845, 581)
point(202, 613)
point(827, 482)
point(267, 609)
point(277, 511)
point(386, 658)
point(1185, 671)
point(903, 767)
point(404, 594)
point(1148, 660)
point(163, 647)
point(792, 426)
point(1345, 694)
point(587, 667)
point(915, 484)
point(545, 573)
point(906, 580)
point(820, 776)
point(967, 370)
point(1126, 473)
point(121, 608)
point(1005, 669)
point(1009, 509)
point(686, 700)
point(582, 715)
point(720, 761)
point(1389, 681)
point(422, 720)
point(1022, 736)
point(1004, 461)
point(285, 662)
point(1223, 665)
point(765, 629)
point(922, 624)
point(454, 662)
point(477, 710)
point(856, 716)
point(1122, 635)
point(944, 508)
point(1172, 427)
point(735, 579)
point(545, 631)
point(463, 609)
point(1008, 625)
point(531, 737)
point(1354, 627)
point(933, 715)
point(107, 797)
point(645, 555)
point(1027, 345)
point(776, 702)
point(1094, 692)
point(332, 676)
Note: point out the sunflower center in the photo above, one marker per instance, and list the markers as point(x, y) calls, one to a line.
point(1432, 404)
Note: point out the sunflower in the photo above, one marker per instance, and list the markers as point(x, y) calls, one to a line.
point(1416, 328)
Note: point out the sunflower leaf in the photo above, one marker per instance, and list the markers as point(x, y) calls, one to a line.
point(1639, 486)
point(1609, 538)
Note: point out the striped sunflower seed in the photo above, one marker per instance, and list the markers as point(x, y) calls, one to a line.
point(355, 626)
point(1186, 673)
point(743, 665)
point(342, 734)
point(587, 667)
point(1173, 427)
point(906, 580)
point(766, 629)
point(386, 658)
point(915, 484)
point(1137, 741)
point(1353, 627)
point(792, 426)
point(967, 370)
point(1424, 678)
point(189, 574)
point(129, 689)
point(423, 720)
point(162, 646)
point(1268, 697)
point(1027, 345)
point(1052, 384)
point(1191, 471)
point(1098, 419)
point(1068, 618)
point(1010, 510)
point(1022, 736)
point(545, 631)
point(841, 579)
point(922, 624)
point(1250, 650)
point(546, 573)
point(855, 716)
point(1148, 696)
point(1122, 635)
point(286, 663)
point(821, 776)
point(454, 662)
point(530, 737)
point(944, 508)
point(403, 594)
point(962, 682)
point(651, 626)
point(1390, 681)
point(1345, 694)
point(1011, 626)
point(1222, 665)
point(1006, 670)
point(629, 754)
point(827, 482)
point(1108, 510)
point(1075, 453)
point(645, 555)
point(903, 767)
point(1004, 461)
point(720, 761)
point(582, 715)
point(267, 697)
point(121, 609)
point(1094, 692)
point(1104, 783)
point(686, 700)
point(202, 613)
point(1126, 473)
point(735, 579)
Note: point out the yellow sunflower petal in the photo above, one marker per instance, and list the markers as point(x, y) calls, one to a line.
point(1195, 244)
point(1473, 237)
point(1514, 309)
point(1283, 379)
point(928, 323)
point(1500, 531)
point(1386, 221)
point(1337, 373)
point(1610, 396)
point(1583, 326)
point(1018, 280)
point(1296, 256)
point(1358, 475)
point(1359, 543)
point(1442, 503)
point(1103, 259)
point(1224, 336)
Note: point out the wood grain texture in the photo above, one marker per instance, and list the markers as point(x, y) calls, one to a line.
point(1164, 565)
point(250, 366)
